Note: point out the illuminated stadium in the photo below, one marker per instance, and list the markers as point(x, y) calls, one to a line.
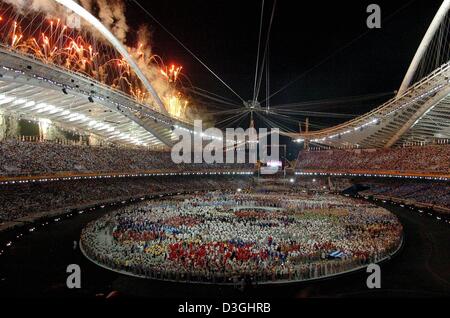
point(111, 191)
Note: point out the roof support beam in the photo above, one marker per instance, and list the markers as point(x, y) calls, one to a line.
point(147, 127)
point(428, 105)
point(434, 26)
point(88, 17)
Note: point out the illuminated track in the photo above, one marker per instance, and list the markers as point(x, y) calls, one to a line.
point(64, 176)
point(82, 78)
point(375, 173)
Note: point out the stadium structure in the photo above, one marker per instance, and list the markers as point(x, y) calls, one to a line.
point(418, 113)
point(34, 88)
point(96, 168)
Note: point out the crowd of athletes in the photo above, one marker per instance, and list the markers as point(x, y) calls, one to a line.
point(225, 238)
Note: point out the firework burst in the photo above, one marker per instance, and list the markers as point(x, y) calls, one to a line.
point(53, 42)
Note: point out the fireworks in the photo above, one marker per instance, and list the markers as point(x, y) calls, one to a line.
point(177, 105)
point(172, 73)
point(53, 42)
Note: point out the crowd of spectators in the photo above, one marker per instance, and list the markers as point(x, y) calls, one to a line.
point(23, 200)
point(434, 194)
point(44, 158)
point(431, 158)
point(220, 238)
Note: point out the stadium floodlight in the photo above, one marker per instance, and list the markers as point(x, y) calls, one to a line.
point(46, 108)
point(99, 126)
point(6, 100)
point(103, 127)
point(71, 115)
point(44, 121)
point(41, 105)
point(29, 104)
point(19, 101)
point(54, 110)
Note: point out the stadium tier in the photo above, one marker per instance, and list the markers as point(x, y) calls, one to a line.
point(434, 195)
point(51, 159)
point(424, 161)
point(27, 202)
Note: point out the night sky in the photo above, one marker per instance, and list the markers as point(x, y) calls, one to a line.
point(224, 34)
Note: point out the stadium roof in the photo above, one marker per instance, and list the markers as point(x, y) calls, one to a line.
point(420, 114)
point(35, 90)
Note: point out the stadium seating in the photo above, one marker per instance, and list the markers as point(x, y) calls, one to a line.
point(18, 158)
point(434, 159)
point(32, 199)
point(433, 194)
